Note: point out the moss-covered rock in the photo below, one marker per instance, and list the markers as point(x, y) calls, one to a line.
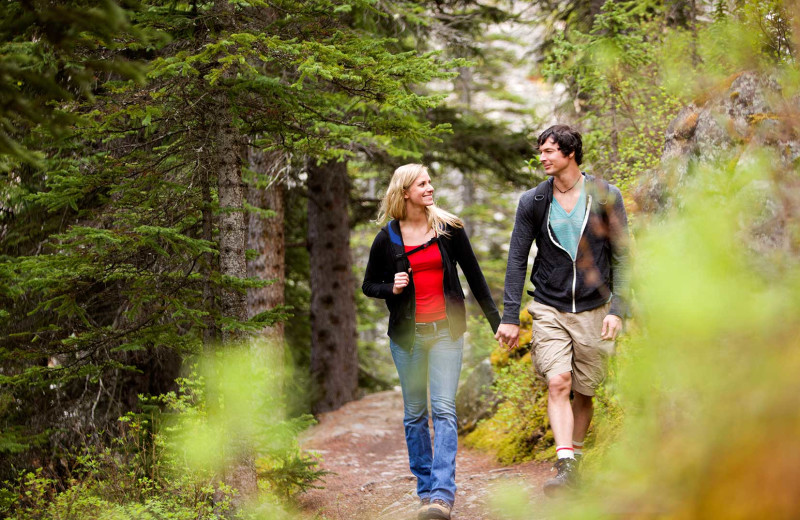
point(519, 430)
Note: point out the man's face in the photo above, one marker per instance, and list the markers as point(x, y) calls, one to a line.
point(553, 160)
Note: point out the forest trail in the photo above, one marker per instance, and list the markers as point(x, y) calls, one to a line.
point(363, 444)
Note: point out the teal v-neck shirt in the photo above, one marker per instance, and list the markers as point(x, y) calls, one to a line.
point(567, 226)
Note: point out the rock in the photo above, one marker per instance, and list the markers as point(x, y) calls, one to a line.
point(476, 399)
point(747, 113)
point(728, 129)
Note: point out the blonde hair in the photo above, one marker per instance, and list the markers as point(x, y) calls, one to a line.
point(393, 204)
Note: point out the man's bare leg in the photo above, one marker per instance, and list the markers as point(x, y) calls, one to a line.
point(559, 410)
point(582, 410)
point(562, 423)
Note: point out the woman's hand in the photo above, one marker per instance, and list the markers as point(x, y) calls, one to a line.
point(400, 282)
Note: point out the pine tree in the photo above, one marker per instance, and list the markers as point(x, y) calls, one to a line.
point(146, 250)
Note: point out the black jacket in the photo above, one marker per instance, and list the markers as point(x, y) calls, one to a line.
point(598, 274)
point(455, 249)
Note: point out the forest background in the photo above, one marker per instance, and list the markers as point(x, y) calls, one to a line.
point(184, 210)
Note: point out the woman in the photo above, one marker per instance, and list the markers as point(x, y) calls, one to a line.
point(412, 265)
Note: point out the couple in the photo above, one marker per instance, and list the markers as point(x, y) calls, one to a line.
point(580, 228)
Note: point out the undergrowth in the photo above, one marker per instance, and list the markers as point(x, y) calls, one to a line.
point(147, 471)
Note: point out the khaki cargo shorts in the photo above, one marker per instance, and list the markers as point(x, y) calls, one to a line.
point(570, 342)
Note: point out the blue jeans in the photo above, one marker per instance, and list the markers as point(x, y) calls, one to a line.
point(435, 358)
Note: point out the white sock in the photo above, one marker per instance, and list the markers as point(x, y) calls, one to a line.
point(565, 452)
point(577, 448)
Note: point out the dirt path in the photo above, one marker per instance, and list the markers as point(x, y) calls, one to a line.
point(363, 444)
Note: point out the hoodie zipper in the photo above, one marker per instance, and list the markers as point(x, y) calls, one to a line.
point(574, 260)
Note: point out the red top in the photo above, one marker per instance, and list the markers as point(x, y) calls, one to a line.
point(428, 273)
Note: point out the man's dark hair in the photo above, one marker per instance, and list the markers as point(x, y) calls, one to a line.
point(567, 138)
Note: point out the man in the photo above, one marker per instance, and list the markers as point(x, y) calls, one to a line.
point(580, 227)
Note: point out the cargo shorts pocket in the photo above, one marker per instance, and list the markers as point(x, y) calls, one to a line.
point(536, 356)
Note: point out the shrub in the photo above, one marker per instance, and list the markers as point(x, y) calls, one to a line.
point(168, 461)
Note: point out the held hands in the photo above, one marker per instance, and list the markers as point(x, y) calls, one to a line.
point(508, 335)
point(400, 282)
point(612, 326)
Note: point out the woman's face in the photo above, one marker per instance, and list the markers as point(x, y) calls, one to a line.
point(420, 193)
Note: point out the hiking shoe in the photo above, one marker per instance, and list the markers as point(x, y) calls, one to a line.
point(565, 478)
point(438, 509)
point(423, 508)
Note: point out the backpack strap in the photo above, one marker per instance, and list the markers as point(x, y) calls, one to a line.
point(416, 249)
point(396, 246)
point(398, 250)
point(540, 205)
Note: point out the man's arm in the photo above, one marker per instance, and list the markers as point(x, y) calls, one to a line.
point(520, 247)
point(620, 265)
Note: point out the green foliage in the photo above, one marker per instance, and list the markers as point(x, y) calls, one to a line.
point(169, 460)
point(631, 73)
point(133, 478)
point(518, 430)
point(756, 36)
point(614, 73)
point(221, 413)
point(50, 55)
point(609, 413)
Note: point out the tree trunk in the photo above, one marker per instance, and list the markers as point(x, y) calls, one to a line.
point(266, 236)
point(228, 147)
point(232, 239)
point(468, 197)
point(232, 225)
point(595, 6)
point(614, 132)
point(209, 264)
point(464, 88)
point(334, 353)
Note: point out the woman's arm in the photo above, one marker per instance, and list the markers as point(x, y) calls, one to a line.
point(379, 276)
point(472, 271)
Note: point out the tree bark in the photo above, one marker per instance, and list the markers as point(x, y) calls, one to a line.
point(209, 264)
point(229, 148)
point(232, 225)
point(232, 239)
point(614, 132)
point(468, 197)
point(267, 237)
point(334, 353)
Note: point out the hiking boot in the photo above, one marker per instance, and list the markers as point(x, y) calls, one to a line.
point(423, 508)
point(565, 478)
point(438, 509)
